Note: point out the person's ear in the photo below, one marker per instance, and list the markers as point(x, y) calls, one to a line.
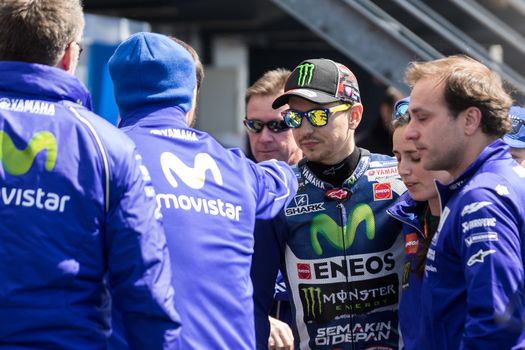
point(472, 121)
point(66, 62)
point(355, 114)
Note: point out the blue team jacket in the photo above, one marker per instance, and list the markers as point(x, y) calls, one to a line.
point(209, 197)
point(408, 212)
point(474, 276)
point(74, 208)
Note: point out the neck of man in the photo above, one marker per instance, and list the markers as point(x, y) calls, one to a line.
point(473, 148)
point(336, 174)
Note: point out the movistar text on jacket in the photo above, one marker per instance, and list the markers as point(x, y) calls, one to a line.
point(200, 205)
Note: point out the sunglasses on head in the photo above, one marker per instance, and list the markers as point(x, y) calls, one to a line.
point(516, 125)
point(256, 126)
point(317, 117)
point(400, 110)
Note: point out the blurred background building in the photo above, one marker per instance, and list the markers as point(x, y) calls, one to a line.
point(238, 40)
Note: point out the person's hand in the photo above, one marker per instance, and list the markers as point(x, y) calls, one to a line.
point(281, 336)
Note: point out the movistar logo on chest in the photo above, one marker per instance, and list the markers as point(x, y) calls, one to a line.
point(18, 162)
point(302, 206)
point(342, 237)
point(27, 106)
point(306, 72)
point(196, 178)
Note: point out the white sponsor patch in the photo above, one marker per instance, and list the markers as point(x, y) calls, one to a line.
point(476, 223)
point(473, 207)
point(382, 173)
point(479, 257)
point(481, 237)
point(502, 190)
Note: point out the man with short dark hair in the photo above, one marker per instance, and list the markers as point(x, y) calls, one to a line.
point(340, 253)
point(77, 205)
point(473, 290)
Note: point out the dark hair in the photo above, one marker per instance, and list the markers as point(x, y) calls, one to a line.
point(467, 83)
point(38, 31)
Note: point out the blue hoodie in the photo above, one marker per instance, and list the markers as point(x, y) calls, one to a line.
point(474, 283)
point(74, 208)
point(209, 196)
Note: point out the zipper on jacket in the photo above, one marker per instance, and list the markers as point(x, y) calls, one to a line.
point(342, 218)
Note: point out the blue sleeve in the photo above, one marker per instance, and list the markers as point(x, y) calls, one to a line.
point(277, 184)
point(266, 259)
point(491, 255)
point(138, 260)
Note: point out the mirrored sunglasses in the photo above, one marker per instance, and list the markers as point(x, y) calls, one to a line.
point(401, 109)
point(516, 125)
point(317, 117)
point(256, 126)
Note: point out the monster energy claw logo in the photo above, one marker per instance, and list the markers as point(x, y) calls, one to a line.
point(306, 72)
point(18, 162)
point(312, 297)
point(325, 226)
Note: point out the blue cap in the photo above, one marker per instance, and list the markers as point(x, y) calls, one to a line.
point(152, 69)
point(516, 138)
point(400, 108)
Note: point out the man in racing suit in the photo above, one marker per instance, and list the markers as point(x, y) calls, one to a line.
point(473, 289)
point(340, 253)
point(75, 201)
point(209, 196)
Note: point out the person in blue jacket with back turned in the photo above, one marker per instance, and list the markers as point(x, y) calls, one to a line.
point(472, 291)
point(209, 196)
point(76, 203)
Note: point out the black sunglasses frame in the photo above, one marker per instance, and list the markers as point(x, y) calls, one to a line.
point(256, 126)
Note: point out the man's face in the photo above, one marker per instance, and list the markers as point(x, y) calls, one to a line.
point(328, 144)
point(519, 155)
point(267, 144)
point(438, 136)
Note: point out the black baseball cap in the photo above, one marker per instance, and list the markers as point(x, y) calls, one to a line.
point(320, 81)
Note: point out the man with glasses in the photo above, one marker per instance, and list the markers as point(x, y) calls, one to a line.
point(76, 202)
point(516, 137)
point(271, 138)
point(340, 254)
point(473, 289)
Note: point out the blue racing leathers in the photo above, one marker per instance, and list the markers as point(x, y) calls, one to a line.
point(341, 256)
point(75, 207)
point(409, 212)
point(474, 277)
point(209, 197)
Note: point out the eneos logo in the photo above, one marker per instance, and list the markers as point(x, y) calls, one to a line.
point(382, 191)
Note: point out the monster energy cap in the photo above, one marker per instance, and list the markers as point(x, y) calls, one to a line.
point(320, 81)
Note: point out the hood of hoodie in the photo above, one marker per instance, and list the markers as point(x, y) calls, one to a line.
point(151, 69)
